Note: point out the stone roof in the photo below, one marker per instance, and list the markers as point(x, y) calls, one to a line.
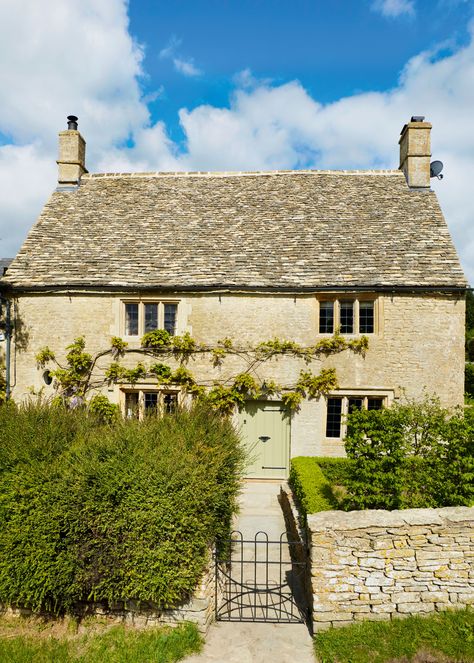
point(288, 230)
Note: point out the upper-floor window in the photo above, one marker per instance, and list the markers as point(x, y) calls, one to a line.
point(350, 316)
point(143, 317)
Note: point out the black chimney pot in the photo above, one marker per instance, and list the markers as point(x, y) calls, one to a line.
point(72, 122)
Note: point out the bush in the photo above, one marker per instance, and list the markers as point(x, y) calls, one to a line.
point(111, 512)
point(469, 380)
point(336, 470)
point(310, 486)
point(412, 455)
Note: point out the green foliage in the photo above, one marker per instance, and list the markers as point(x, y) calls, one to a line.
point(158, 338)
point(118, 346)
point(469, 380)
point(223, 399)
point(104, 409)
point(44, 356)
point(114, 645)
point(314, 385)
point(183, 346)
point(75, 380)
point(292, 400)
point(450, 633)
point(162, 372)
point(470, 325)
point(336, 470)
point(310, 486)
point(111, 512)
point(411, 455)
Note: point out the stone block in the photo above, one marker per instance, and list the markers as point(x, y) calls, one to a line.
point(414, 608)
point(378, 579)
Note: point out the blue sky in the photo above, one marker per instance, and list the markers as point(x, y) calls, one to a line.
point(335, 49)
point(234, 85)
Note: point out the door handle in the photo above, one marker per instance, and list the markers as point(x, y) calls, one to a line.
point(264, 438)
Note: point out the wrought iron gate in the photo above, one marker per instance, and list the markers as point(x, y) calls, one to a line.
point(259, 580)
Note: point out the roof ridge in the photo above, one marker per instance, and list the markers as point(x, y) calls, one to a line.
point(238, 173)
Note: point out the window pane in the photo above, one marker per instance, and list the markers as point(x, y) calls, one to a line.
point(170, 402)
point(170, 318)
point(333, 421)
point(374, 403)
point(354, 404)
point(131, 404)
point(366, 317)
point(131, 319)
point(151, 317)
point(151, 401)
point(326, 317)
point(347, 317)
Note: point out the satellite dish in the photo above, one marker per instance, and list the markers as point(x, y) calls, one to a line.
point(435, 169)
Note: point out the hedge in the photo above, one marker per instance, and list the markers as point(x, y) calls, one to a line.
point(310, 486)
point(110, 512)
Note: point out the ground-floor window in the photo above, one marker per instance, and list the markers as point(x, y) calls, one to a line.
point(141, 402)
point(338, 407)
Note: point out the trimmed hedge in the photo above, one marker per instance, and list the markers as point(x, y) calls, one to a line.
point(336, 470)
point(310, 486)
point(110, 512)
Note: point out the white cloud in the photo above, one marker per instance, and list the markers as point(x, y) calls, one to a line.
point(394, 8)
point(183, 65)
point(68, 64)
point(186, 67)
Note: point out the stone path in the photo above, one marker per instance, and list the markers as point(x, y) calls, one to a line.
point(235, 642)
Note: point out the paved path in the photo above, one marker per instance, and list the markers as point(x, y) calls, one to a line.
point(235, 642)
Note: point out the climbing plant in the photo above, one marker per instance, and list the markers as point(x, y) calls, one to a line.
point(82, 373)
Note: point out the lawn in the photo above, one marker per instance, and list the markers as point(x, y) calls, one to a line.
point(446, 636)
point(24, 641)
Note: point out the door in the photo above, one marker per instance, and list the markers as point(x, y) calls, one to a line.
point(265, 430)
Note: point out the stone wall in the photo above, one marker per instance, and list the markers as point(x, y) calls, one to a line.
point(379, 565)
point(408, 353)
point(200, 609)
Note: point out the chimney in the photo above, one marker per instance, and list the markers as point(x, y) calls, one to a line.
point(415, 152)
point(72, 153)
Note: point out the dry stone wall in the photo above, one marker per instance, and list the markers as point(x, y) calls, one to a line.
point(380, 565)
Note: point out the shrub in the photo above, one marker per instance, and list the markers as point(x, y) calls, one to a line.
point(111, 512)
point(469, 379)
point(336, 470)
point(411, 455)
point(310, 486)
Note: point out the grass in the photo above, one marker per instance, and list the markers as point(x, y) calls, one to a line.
point(446, 634)
point(116, 644)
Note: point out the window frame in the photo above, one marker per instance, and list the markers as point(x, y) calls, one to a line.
point(145, 389)
point(344, 298)
point(385, 395)
point(142, 302)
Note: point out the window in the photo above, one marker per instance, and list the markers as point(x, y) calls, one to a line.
point(145, 402)
point(350, 316)
point(366, 317)
point(143, 317)
point(326, 317)
point(338, 407)
point(346, 317)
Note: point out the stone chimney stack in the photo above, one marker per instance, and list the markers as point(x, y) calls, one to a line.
point(415, 152)
point(72, 154)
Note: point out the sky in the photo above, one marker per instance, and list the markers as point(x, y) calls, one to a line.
point(234, 85)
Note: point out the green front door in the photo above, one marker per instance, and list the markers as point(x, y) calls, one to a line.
point(265, 429)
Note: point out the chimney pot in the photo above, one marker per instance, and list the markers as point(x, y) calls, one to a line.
point(415, 152)
point(72, 122)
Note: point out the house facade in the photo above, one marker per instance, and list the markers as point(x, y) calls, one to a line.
point(294, 255)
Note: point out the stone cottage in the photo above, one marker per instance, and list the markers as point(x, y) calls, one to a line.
point(250, 256)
